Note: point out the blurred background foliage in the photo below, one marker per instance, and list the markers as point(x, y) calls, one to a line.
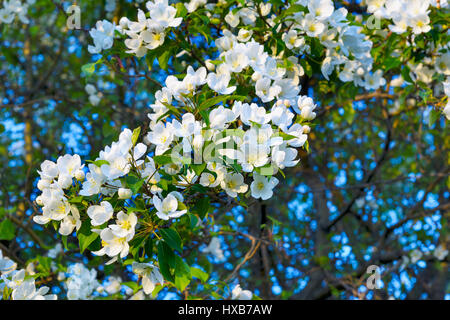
point(373, 187)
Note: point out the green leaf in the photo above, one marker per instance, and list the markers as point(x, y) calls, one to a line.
point(201, 207)
point(199, 274)
point(64, 241)
point(166, 259)
point(132, 285)
point(198, 168)
point(307, 67)
point(181, 10)
point(218, 99)
point(172, 238)
point(98, 163)
point(163, 59)
point(88, 69)
point(193, 220)
point(135, 245)
point(148, 247)
point(7, 230)
point(162, 159)
point(182, 274)
point(135, 136)
point(86, 236)
point(434, 115)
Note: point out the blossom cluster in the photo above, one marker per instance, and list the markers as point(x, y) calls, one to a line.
point(94, 96)
point(55, 180)
point(81, 282)
point(348, 50)
point(405, 14)
point(15, 8)
point(255, 139)
point(103, 36)
point(149, 33)
point(21, 285)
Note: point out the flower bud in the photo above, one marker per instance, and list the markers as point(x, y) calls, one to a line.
point(39, 201)
point(256, 76)
point(411, 102)
point(64, 181)
point(42, 184)
point(125, 193)
point(79, 175)
point(307, 113)
point(306, 129)
point(209, 65)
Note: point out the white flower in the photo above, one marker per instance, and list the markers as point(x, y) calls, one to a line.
point(219, 83)
point(162, 15)
point(18, 277)
point(305, 107)
point(251, 112)
point(280, 114)
point(150, 274)
point(90, 89)
point(112, 245)
point(187, 126)
point(208, 180)
point(446, 111)
point(81, 282)
point(292, 40)
point(69, 164)
point(168, 207)
point(55, 251)
point(27, 291)
point(140, 295)
point(125, 225)
point(161, 136)
point(232, 19)
point(440, 252)
point(70, 222)
point(244, 35)
point(6, 264)
point(374, 81)
point(103, 36)
point(194, 4)
point(312, 26)
point(221, 116)
point(214, 248)
point(55, 209)
point(252, 155)
point(297, 130)
point(79, 175)
point(49, 170)
point(283, 156)
point(236, 59)
point(239, 294)
point(152, 39)
point(94, 181)
point(113, 285)
point(442, 63)
point(233, 183)
point(124, 193)
point(416, 255)
point(262, 187)
point(322, 9)
point(265, 90)
point(100, 214)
